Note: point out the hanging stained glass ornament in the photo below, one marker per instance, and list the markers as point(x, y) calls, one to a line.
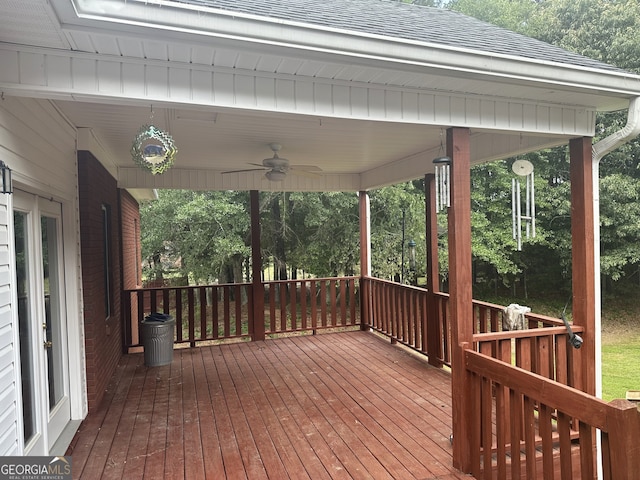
point(153, 149)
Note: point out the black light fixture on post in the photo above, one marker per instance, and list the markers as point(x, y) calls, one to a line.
point(5, 174)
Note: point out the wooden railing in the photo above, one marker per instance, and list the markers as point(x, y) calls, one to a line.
point(532, 427)
point(311, 304)
point(409, 315)
point(201, 313)
point(544, 350)
point(399, 311)
point(226, 311)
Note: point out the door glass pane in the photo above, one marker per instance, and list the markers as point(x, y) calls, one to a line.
point(52, 309)
point(24, 323)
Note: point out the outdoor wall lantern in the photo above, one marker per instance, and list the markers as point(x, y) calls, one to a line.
point(443, 180)
point(5, 173)
point(153, 149)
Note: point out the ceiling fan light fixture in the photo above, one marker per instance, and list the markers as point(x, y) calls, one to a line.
point(275, 175)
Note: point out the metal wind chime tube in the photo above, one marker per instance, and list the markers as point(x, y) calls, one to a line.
point(523, 168)
point(532, 210)
point(519, 215)
point(443, 182)
point(514, 230)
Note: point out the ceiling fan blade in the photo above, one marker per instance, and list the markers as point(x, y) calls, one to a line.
point(245, 170)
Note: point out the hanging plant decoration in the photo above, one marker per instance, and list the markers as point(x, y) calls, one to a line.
point(153, 149)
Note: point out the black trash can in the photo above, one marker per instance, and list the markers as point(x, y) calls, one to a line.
point(157, 339)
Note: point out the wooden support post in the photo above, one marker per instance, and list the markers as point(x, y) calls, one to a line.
point(256, 322)
point(433, 328)
point(623, 441)
point(460, 293)
point(365, 259)
point(582, 254)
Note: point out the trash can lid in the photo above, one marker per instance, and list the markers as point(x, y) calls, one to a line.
point(158, 317)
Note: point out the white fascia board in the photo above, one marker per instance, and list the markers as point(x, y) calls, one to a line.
point(95, 78)
point(356, 47)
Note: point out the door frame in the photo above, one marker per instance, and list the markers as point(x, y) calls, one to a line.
point(72, 288)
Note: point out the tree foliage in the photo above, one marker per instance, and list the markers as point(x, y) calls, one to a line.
point(199, 235)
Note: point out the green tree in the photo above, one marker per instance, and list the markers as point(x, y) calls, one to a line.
point(388, 207)
point(202, 236)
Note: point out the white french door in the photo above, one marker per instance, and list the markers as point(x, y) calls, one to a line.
point(44, 354)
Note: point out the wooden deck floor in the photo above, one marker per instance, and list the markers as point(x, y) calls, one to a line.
point(339, 405)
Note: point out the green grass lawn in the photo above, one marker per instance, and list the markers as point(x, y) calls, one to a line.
point(620, 367)
point(620, 344)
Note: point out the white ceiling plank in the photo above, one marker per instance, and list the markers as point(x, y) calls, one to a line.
point(178, 52)
point(155, 50)
point(130, 47)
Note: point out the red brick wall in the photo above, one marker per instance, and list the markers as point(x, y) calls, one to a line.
point(103, 336)
point(130, 235)
point(131, 256)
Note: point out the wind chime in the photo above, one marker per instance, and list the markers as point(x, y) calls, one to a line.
point(523, 168)
point(153, 148)
point(443, 182)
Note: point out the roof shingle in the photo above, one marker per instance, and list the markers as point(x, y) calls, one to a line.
point(406, 21)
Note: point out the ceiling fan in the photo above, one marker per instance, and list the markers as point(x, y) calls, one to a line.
point(277, 167)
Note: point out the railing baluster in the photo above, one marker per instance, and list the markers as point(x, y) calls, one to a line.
point(227, 311)
point(273, 287)
point(238, 303)
point(343, 302)
point(586, 451)
point(314, 307)
point(153, 301)
point(515, 408)
point(354, 320)
point(203, 312)
point(529, 436)
point(323, 302)
point(502, 429)
point(138, 339)
point(564, 432)
point(283, 307)
point(334, 307)
point(166, 304)
point(545, 428)
point(303, 305)
point(178, 298)
point(191, 317)
point(215, 313)
point(486, 404)
point(293, 302)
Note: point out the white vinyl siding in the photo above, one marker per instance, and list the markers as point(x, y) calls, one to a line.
point(39, 145)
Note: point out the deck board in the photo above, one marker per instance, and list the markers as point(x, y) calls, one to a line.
point(331, 406)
